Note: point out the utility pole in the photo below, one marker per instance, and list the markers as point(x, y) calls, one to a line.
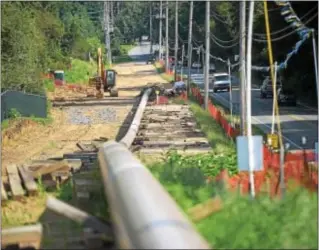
point(249, 129)
point(160, 31)
point(107, 32)
point(230, 92)
point(111, 14)
point(242, 86)
point(183, 52)
point(315, 59)
point(151, 28)
point(190, 49)
point(166, 39)
point(207, 49)
point(176, 40)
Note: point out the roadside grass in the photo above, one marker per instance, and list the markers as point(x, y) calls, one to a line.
point(125, 48)
point(161, 71)
point(80, 72)
point(242, 223)
point(14, 117)
point(49, 85)
point(121, 59)
point(235, 118)
point(214, 132)
point(124, 57)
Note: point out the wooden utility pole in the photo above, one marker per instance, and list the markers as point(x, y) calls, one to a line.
point(151, 28)
point(166, 39)
point(107, 32)
point(176, 40)
point(160, 30)
point(183, 55)
point(207, 50)
point(242, 86)
point(190, 49)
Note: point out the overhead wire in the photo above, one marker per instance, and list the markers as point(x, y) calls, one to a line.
point(287, 27)
point(288, 34)
point(213, 37)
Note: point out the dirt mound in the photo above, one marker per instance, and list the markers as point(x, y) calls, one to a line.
point(16, 128)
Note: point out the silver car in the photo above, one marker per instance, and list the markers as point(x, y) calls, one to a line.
point(220, 81)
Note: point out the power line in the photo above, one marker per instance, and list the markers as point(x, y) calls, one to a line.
point(288, 34)
point(218, 18)
point(286, 28)
point(212, 36)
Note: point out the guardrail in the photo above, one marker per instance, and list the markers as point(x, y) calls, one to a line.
point(144, 214)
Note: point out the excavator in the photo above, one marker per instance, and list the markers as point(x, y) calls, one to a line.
point(105, 80)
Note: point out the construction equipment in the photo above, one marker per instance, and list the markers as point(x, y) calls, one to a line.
point(105, 80)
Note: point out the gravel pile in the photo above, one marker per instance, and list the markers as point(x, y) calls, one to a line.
point(83, 115)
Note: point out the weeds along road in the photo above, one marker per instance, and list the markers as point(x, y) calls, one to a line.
point(100, 118)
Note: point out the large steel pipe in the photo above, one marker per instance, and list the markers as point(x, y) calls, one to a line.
point(129, 137)
point(144, 214)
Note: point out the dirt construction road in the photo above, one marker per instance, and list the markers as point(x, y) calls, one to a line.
point(31, 141)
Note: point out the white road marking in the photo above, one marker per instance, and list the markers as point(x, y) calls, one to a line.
point(267, 126)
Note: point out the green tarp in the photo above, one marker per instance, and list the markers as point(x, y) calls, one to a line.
point(26, 104)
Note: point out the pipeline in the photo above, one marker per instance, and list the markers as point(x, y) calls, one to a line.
point(128, 139)
point(144, 214)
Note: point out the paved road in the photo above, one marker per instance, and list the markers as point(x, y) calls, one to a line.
point(142, 51)
point(295, 121)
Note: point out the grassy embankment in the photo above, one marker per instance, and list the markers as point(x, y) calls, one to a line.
point(123, 57)
point(241, 223)
point(161, 71)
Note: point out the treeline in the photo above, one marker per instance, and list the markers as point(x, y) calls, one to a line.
point(37, 36)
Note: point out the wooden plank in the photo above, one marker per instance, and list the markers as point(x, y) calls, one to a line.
point(46, 167)
point(80, 156)
point(4, 196)
point(28, 180)
point(205, 209)
point(24, 234)
point(168, 138)
point(163, 150)
point(74, 164)
point(174, 144)
point(180, 133)
point(177, 142)
point(15, 181)
point(60, 173)
point(79, 216)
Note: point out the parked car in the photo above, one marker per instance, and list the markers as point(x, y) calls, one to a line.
point(266, 88)
point(220, 81)
point(286, 96)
